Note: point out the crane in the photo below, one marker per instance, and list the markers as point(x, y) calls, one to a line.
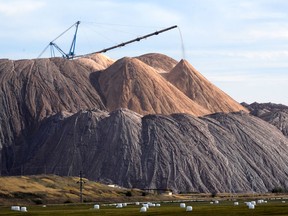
point(71, 53)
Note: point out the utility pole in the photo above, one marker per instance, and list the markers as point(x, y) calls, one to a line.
point(81, 183)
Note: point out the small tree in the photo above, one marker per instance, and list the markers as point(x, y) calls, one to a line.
point(278, 190)
point(129, 193)
point(213, 194)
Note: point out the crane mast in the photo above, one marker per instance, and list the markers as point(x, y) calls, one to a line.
point(71, 53)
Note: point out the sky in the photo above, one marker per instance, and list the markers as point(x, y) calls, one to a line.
point(241, 46)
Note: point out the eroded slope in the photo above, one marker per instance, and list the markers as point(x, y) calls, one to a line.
point(186, 78)
point(32, 90)
point(222, 152)
point(275, 114)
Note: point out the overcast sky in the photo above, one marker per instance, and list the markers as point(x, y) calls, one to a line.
point(239, 45)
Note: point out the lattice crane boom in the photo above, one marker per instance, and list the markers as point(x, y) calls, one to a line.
point(71, 54)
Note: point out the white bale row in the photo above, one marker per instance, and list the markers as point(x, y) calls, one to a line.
point(15, 208)
point(18, 208)
point(145, 206)
point(251, 205)
point(119, 205)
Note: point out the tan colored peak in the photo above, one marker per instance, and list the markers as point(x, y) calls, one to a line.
point(130, 83)
point(96, 61)
point(159, 62)
point(193, 84)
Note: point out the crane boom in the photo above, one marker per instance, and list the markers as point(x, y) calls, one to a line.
point(71, 53)
point(128, 42)
point(52, 44)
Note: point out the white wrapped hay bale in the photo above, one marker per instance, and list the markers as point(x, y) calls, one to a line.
point(119, 205)
point(15, 208)
point(23, 209)
point(182, 205)
point(189, 208)
point(236, 203)
point(150, 204)
point(143, 209)
point(145, 205)
point(96, 206)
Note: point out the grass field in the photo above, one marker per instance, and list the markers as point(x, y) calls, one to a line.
point(52, 189)
point(61, 194)
point(275, 207)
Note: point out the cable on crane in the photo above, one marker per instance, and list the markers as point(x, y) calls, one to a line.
point(71, 53)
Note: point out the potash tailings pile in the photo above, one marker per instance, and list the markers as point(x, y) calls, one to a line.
point(143, 122)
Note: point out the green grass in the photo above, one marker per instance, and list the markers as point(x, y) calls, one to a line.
point(199, 208)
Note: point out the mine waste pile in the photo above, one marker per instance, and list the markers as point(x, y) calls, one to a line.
point(143, 122)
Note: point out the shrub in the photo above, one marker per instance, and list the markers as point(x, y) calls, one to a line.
point(38, 201)
point(213, 194)
point(278, 190)
point(129, 193)
point(87, 200)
